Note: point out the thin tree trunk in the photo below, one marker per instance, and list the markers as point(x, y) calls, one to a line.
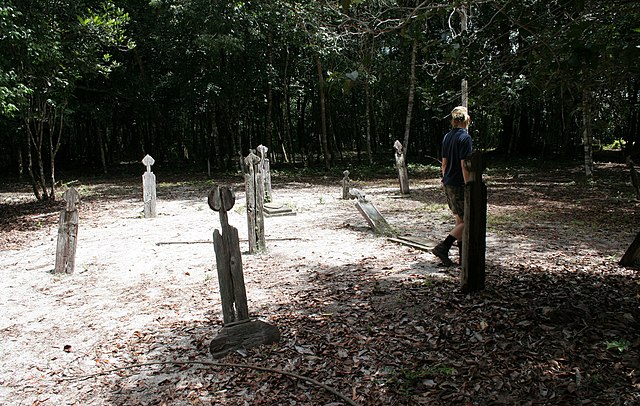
point(464, 86)
point(368, 118)
point(287, 144)
point(54, 145)
point(323, 116)
point(412, 91)
point(215, 135)
point(587, 135)
point(269, 128)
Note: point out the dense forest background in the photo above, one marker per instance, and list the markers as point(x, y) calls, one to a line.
point(198, 82)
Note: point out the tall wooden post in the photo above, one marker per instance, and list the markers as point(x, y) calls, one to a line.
point(265, 168)
point(67, 234)
point(149, 188)
point(403, 176)
point(254, 186)
point(475, 226)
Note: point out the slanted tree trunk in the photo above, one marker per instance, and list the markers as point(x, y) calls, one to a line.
point(412, 91)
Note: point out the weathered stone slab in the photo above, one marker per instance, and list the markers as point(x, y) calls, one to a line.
point(277, 209)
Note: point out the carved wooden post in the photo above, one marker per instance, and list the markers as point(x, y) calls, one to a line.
point(238, 330)
point(254, 185)
point(266, 172)
point(149, 188)
point(67, 234)
point(475, 225)
point(345, 185)
point(228, 258)
point(403, 176)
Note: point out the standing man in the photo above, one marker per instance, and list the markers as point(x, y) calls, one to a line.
point(456, 147)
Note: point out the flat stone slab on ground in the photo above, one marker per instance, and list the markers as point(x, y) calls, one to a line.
point(277, 209)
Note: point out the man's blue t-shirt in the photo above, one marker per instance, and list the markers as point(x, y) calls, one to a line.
point(456, 146)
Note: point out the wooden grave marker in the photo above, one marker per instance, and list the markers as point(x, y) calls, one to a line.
point(371, 214)
point(346, 184)
point(265, 168)
point(270, 208)
point(401, 165)
point(239, 331)
point(474, 236)
point(67, 233)
point(254, 186)
point(149, 188)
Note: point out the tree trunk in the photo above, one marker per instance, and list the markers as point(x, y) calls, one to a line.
point(54, 145)
point(412, 91)
point(269, 124)
point(215, 135)
point(368, 118)
point(587, 136)
point(323, 116)
point(287, 144)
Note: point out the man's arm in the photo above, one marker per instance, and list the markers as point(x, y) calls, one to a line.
point(465, 172)
point(444, 166)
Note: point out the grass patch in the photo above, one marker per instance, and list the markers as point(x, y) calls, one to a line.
point(407, 380)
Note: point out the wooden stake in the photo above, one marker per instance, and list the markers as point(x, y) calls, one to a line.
point(67, 234)
point(475, 225)
point(149, 188)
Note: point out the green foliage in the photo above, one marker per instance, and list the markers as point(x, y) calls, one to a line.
point(198, 81)
point(618, 345)
point(406, 380)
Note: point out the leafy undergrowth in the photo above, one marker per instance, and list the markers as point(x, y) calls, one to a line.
point(532, 336)
point(558, 321)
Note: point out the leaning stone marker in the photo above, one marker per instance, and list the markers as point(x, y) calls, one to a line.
point(238, 330)
point(149, 188)
point(371, 214)
point(67, 233)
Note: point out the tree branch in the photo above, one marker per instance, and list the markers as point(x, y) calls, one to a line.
point(224, 364)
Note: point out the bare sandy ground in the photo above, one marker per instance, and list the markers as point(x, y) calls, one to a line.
point(134, 274)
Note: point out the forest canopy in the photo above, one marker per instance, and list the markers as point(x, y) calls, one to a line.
point(322, 82)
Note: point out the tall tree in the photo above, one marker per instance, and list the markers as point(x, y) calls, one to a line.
point(56, 44)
